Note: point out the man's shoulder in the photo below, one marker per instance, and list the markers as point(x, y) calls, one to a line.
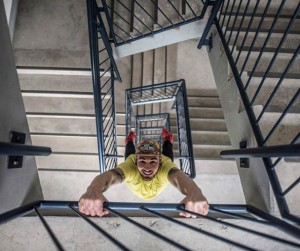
point(131, 159)
point(167, 162)
point(129, 168)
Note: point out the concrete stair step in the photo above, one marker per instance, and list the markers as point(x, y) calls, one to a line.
point(145, 24)
point(205, 93)
point(208, 138)
point(203, 125)
point(69, 161)
point(63, 103)
point(75, 104)
point(52, 58)
point(207, 152)
point(195, 5)
point(289, 45)
point(285, 132)
point(169, 12)
point(212, 167)
point(277, 68)
point(52, 38)
point(64, 144)
point(204, 112)
point(71, 143)
point(29, 82)
point(288, 172)
point(288, 8)
point(196, 101)
point(280, 26)
point(65, 125)
point(120, 117)
point(284, 94)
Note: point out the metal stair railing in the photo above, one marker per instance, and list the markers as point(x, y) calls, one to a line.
point(104, 74)
point(126, 25)
point(167, 212)
point(224, 16)
point(158, 122)
point(175, 93)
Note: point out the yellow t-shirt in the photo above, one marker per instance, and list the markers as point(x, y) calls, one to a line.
point(146, 190)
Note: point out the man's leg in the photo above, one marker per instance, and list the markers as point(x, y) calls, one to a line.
point(130, 148)
point(167, 148)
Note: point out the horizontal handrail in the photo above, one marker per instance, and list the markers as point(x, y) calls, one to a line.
point(243, 212)
point(12, 149)
point(264, 152)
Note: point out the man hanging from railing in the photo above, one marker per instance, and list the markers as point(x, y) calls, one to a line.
point(147, 172)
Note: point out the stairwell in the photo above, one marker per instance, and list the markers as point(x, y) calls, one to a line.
point(54, 73)
point(60, 108)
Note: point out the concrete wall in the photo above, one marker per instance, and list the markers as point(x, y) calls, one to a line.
point(11, 7)
point(21, 185)
point(254, 179)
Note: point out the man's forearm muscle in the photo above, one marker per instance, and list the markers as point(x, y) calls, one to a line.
point(194, 200)
point(91, 202)
point(182, 182)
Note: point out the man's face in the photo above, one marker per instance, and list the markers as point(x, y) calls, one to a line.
point(148, 165)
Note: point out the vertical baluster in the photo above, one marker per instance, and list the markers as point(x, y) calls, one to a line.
point(247, 31)
point(49, 230)
point(255, 36)
point(276, 54)
point(132, 9)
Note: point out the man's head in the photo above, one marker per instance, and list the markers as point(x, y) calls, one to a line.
point(148, 158)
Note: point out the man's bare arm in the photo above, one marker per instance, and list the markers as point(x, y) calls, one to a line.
point(194, 200)
point(91, 202)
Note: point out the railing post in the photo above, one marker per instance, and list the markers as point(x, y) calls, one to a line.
point(92, 24)
point(210, 21)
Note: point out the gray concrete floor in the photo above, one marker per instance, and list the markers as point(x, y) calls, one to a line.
point(75, 234)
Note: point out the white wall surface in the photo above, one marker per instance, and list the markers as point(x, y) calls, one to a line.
point(11, 13)
point(21, 185)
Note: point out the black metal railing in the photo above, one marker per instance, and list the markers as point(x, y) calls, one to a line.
point(168, 212)
point(151, 125)
point(173, 93)
point(104, 74)
point(256, 38)
point(281, 151)
point(10, 149)
point(136, 19)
